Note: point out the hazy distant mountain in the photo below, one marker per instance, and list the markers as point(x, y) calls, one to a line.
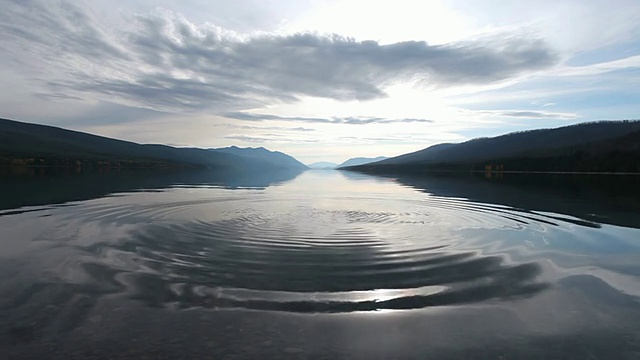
point(323, 165)
point(361, 161)
point(31, 144)
point(275, 159)
point(597, 146)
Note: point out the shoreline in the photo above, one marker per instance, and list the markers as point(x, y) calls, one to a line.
point(416, 172)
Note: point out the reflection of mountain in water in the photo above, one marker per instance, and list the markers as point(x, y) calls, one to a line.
point(597, 198)
point(41, 186)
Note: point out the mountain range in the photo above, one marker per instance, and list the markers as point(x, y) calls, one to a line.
point(275, 159)
point(323, 165)
point(326, 165)
point(41, 145)
point(604, 146)
point(361, 161)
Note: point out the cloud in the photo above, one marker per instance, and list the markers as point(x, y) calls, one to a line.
point(351, 120)
point(55, 28)
point(164, 62)
point(106, 114)
point(529, 114)
point(629, 62)
point(280, 128)
point(537, 114)
point(403, 138)
point(269, 139)
point(542, 103)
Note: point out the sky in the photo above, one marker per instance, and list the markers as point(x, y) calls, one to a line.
point(319, 80)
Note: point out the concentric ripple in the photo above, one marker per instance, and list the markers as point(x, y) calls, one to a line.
point(216, 248)
point(473, 263)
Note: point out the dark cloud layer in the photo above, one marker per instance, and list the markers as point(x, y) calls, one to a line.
point(163, 62)
point(351, 120)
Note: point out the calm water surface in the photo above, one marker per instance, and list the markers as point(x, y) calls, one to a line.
point(321, 264)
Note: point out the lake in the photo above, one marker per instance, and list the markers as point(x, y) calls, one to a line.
point(318, 264)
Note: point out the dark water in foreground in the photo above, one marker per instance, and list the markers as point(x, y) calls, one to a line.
point(322, 264)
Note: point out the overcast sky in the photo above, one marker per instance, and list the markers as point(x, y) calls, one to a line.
point(320, 80)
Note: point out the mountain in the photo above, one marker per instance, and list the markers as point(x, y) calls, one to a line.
point(605, 146)
point(361, 161)
point(30, 144)
point(323, 165)
point(275, 159)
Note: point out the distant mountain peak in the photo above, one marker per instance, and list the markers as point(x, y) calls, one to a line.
point(248, 148)
point(322, 165)
point(361, 161)
point(274, 158)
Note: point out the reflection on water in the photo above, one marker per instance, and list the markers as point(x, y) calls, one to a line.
point(317, 242)
point(41, 186)
point(239, 263)
point(592, 198)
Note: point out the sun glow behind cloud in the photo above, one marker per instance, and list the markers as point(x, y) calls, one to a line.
point(386, 22)
point(362, 78)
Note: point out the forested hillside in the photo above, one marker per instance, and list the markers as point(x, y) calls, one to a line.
point(607, 146)
point(39, 145)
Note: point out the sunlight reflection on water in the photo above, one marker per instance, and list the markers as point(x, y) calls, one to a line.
point(322, 242)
